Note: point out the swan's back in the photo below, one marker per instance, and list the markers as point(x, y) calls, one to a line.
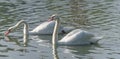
point(77, 37)
point(45, 28)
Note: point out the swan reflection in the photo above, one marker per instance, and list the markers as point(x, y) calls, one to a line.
point(13, 39)
point(55, 53)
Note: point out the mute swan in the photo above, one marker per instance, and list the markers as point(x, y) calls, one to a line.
point(75, 37)
point(44, 28)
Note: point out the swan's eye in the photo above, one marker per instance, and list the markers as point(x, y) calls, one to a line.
point(9, 30)
point(54, 16)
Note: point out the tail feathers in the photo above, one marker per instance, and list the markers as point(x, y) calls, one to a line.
point(96, 39)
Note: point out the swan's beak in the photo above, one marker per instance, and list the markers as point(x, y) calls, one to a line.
point(52, 17)
point(7, 32)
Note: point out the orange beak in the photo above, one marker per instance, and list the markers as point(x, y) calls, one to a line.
point(7, 32)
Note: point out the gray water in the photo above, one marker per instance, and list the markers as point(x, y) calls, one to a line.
point(102, 17)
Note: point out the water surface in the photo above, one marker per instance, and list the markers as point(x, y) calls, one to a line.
point(102, 17)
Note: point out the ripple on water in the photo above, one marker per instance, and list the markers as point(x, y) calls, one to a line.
point(100, 17)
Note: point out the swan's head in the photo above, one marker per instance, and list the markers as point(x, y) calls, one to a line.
point(9, 30)
point(54, 17)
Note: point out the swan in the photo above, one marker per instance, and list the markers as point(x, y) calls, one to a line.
point(47, 27)
point(75, 37)
point(25, 31)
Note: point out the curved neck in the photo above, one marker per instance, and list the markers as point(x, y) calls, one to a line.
point(55, 32)
point(25, 31)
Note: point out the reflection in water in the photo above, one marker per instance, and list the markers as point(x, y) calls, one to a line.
point(82, 50)
point(101, 16)
point(9, 39)
point(55, 53)
point(77, 11)
point(11, 44)
point(79, 52)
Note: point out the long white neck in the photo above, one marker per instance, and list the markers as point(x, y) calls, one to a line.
point(55, 32)
point(55, 39)
point(25, 31)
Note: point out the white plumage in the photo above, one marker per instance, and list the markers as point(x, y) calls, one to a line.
point(48, 27)
point(79, 37)
point(75, 37)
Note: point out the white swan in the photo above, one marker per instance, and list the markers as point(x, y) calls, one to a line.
point(25, 31)
point(47, 27)
point(75, 37)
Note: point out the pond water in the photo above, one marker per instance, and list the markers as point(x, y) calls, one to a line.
point(102, 17)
